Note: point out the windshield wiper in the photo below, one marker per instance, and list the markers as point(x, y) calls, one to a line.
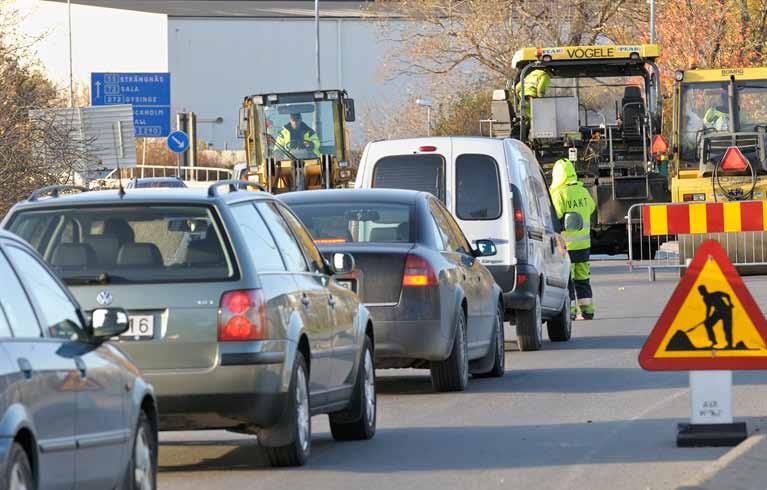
point(102, 278)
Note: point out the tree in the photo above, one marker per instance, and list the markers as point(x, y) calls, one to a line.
point(34, 152)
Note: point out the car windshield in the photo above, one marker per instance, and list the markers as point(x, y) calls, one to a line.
point(128, 244)
point(706, 108)
point(355, 222)
point(300, 130)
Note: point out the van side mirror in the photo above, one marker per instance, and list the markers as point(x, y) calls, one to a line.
point(108, 322)
point(572, 221)
point(349, 115)
point(485, 248)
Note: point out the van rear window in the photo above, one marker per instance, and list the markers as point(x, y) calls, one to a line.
point(478, 195)
point(128, 244)
point(424, 173)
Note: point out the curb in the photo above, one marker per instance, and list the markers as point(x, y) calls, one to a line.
point(743, 467)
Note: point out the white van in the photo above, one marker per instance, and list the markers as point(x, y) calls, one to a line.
point(496, 190)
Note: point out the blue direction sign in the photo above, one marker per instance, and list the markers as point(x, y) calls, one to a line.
point(149, 93)
point(178, 142)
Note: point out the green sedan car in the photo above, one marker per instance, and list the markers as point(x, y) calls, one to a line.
point(235, 316)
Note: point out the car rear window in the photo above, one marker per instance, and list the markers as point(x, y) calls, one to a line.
point(479, 188)
point(424, 173)
point(355, 222)
point(128, 244)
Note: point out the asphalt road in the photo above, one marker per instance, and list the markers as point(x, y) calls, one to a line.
point(579, 415)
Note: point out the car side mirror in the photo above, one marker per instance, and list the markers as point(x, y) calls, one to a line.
point(485, 248)
point(108, 322)
point(343, 263)
point(572, 221)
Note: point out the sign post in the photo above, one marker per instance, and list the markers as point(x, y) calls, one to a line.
point(178, 143)
point(148, 93)
point(710, 327)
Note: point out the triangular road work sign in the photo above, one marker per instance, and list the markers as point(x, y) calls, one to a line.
point(711, 321)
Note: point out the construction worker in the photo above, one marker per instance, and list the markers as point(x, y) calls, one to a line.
point(536, 83)
point(570, 196)
point(718, 308)
point(718, 116)
point(297, 135)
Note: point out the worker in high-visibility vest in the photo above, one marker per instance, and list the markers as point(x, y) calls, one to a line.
point(536, 84)
point(570, 196)
point(718, 115)
point(298, 135)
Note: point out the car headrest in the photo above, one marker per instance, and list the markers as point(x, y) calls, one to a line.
point(73, 255)
point(120, 229)
point(206, 251)
point(140, 254)
point(106, 248)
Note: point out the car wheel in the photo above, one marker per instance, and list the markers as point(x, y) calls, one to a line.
point(359, 421)
point(530, 327)
point(19, 471)
point(561, 326)
point(142, 468)
point(297, 452)
point(452, 374)
point(499, 363)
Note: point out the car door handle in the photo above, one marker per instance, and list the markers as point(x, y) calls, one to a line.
point(81, 367)
point(25, 367)
point(305, 300)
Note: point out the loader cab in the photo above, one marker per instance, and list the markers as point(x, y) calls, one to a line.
point(298, 140)
point(719, 134)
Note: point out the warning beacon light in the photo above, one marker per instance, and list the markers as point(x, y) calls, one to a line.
point(733, 160)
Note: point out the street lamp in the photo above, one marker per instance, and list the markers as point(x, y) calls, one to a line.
point(427, 104)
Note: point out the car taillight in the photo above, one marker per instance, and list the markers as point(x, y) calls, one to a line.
point(519, 224)
point(242, 316)
point(521, 279)
point(418, 273)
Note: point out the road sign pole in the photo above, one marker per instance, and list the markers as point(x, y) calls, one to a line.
point(711, 422)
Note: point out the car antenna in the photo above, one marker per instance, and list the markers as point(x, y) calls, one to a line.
point(120, 188)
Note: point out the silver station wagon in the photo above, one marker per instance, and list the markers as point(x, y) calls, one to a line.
point(235, 316)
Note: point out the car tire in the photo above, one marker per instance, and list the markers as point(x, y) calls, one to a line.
point(19, 474)
point(560, 327)
point(359, 421)
point(530, 327)
point(499, 347)
point(142, 467)
point(452, 374)
point(297, 452)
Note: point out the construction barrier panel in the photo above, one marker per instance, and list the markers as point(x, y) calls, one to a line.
point(664, 235)
point(692, 219)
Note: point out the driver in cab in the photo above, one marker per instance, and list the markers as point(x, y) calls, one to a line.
point(297, 135)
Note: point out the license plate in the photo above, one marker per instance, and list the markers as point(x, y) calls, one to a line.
point(349, 284)
point(141, 327)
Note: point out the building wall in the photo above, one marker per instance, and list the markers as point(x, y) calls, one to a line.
point(215, 62)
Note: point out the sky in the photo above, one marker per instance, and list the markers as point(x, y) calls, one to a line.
point(103, 39)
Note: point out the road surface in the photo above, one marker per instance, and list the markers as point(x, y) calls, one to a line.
point(573, 416)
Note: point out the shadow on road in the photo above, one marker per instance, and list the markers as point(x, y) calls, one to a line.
point(428, 449)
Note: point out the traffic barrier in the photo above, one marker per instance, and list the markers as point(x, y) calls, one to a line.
point(660, 233)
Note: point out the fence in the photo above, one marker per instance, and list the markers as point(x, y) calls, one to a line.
point(193, 174)
point(664, 236)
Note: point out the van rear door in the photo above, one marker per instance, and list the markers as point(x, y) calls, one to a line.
point(480, 200)
point(417, 164)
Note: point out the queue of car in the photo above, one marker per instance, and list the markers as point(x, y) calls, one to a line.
point(252, 313)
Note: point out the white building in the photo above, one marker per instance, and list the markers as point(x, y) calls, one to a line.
point(219, 51)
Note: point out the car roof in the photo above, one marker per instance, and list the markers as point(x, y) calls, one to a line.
point(393, 196)
point(440, 139)
point(165, 195)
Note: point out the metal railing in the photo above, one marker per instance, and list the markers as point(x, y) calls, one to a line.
point(673, 249)
point(191, 174)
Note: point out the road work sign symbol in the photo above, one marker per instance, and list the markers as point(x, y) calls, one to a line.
point(711, 321)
